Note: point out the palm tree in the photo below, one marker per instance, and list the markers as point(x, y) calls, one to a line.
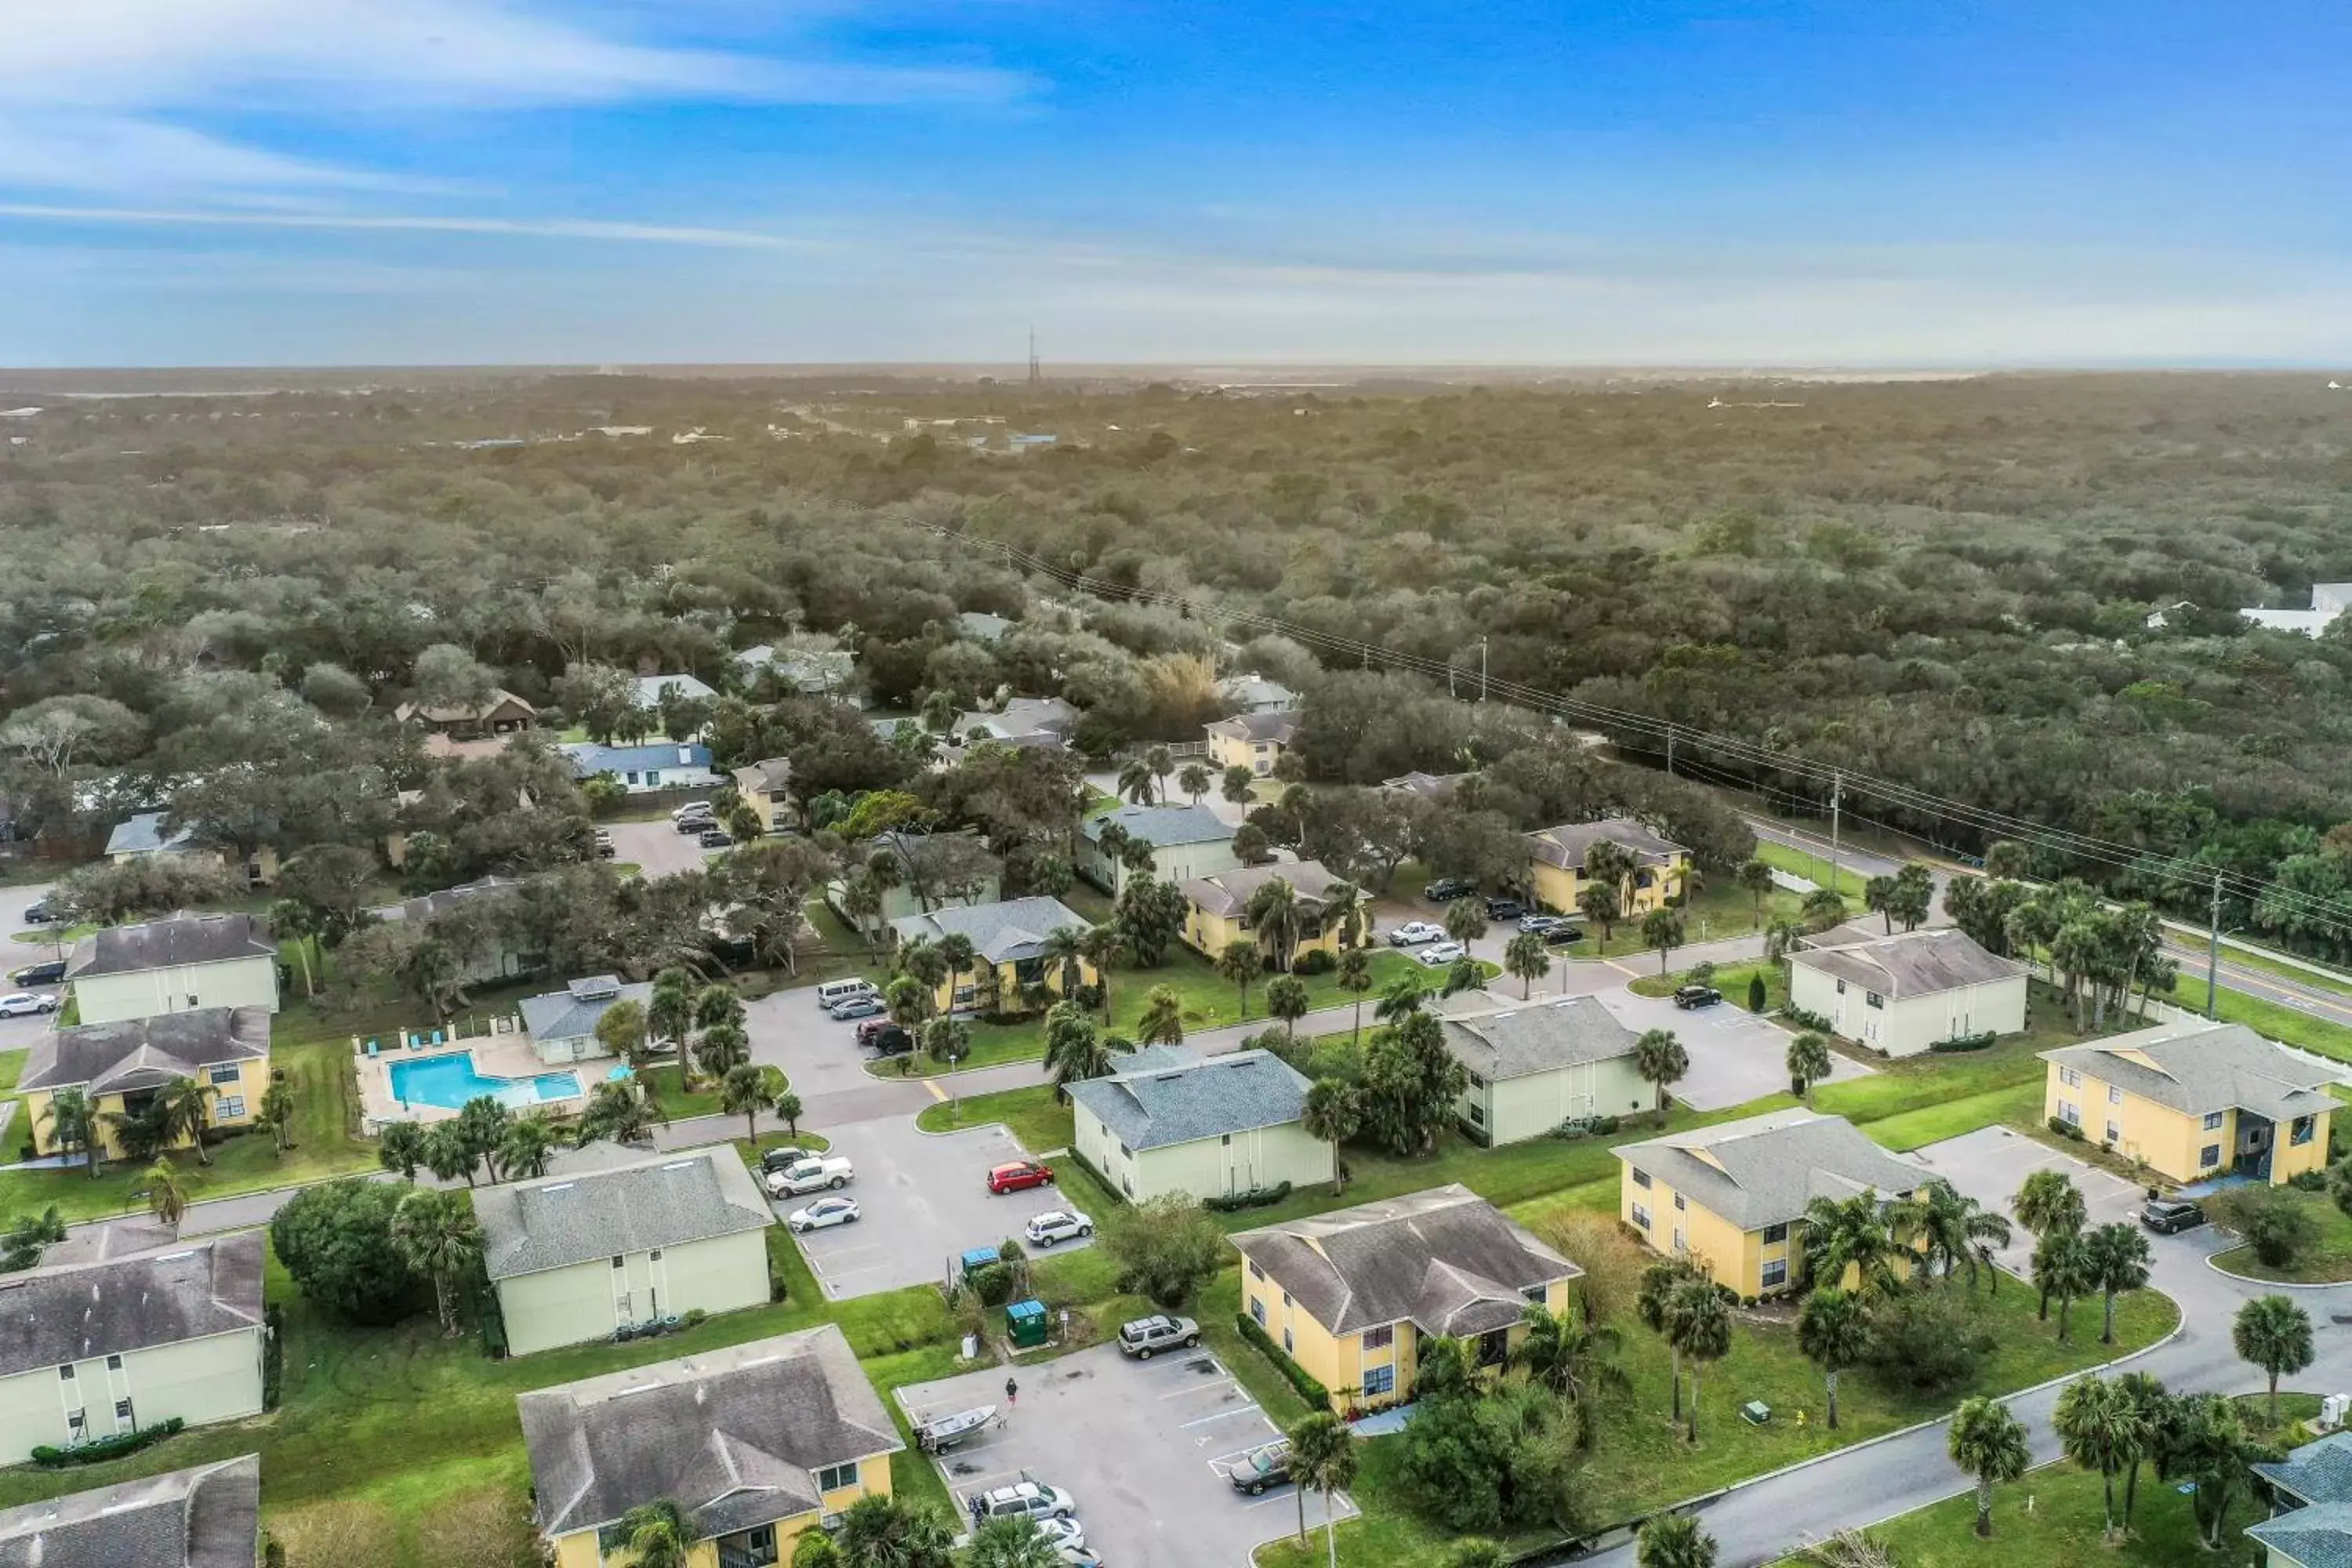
point(1850, 1234)
point(1987, 1442)
point(1699, 1325)
point(277, 1108)
point(1332, 1112)
point(1477, 1553)
point(2274, 1335)
point(1194, 781)
point(1074, 1048)
point(1063, 950)
point(1241, 964)
point(2205, 1443)
point(1103, 946)
point(1574, 1359)
point(1610, 867)
point(167, 1195)
point(1136, 781)
point(438, 1237)
point(1345, 915)
point(861, 901)
point(621, 1112)
point(1674, 1540)
point(1355, 977)
point(1652, 1305)
point(73, 1124)
point(2119, 1261)
point(1947, 1226)
point(2062, 1268)
point(788, 1108)
point(2046, 1202)
point(187, 1111)
point(745, 1091)
point(1277, 916)
point(1847, 1549)
point(669, 1011)
point(1286, 999)
point(2155, 1406)
point(401, 1147)
point(721, 1050)
point(1809, 1062)
point(292, 920)
point(1833, 1331)
point(957, 952)
point(1661, 929)
point(1404, 994)
point(658, 1535)
point(526, 1145)
point(1323, 1456)
point(1602, 906)
point(879, 1530)
point(1528, 960)
point(1013, 1542)
point(2099, 1424)
point(1161, 761)
point(946, 1040)
point(1756, 877)
point(1659, 1060)
point(448, 1154)
point(143, 1133)
point(1162, 1021)
point(1465, 921)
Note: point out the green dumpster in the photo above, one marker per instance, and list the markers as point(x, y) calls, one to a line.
point(1024, 1324)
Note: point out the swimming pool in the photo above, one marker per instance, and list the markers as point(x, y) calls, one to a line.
point(449, 1081)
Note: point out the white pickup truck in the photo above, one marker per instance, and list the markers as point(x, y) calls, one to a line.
point(808, 1176)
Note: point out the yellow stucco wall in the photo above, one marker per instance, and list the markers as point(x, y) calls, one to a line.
point(216, 1378)
point(1558, 890)
point(1340, 1363)
point(1008, 984)
point(579, 1550)
point(2170, 1142)
point(235, 1104)
point(1231, 751)
point(1209, 934)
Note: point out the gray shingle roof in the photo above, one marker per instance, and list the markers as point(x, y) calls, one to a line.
point(1764, 1170)
point(2199, 1067)
point(1152, 1105)
point(1161, 826)
point(144, 835)
point(981, 625)
point(1913, 963)
point(145, 1053)
point(650, 688)
point(207, 1517)
point(1445, 1259)
point(1002, 933)
point(2315, 1537)
point(2317, 1472)
point(572, 1012)
point(169, 943)
point(769, 775)
point(1278, 725)
point(1228, 892)
point(429, 905)
point(1429, 786)
point(664, 1201)
point(1565, 845)
point(1520, 1041)
point(52, 1315)
point(734, 1435)
point(1257, 693)
point(1022, 719)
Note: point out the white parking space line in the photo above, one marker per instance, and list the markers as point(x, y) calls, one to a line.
point(1220, 1415)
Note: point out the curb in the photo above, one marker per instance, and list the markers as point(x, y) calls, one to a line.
point(2271, 1284)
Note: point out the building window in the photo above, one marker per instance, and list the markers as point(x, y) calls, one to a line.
point(617, 1261)
point(2070, 1077)
point(1257, 1311)
point(1478, 1083)
point(1285, 1298)
point(1679, 1202)
point(1776, 1273)
point(73, 1421)
point(2070, 1113)
point(1774, 1235)
point(1538, 1294)
point(2115, 1132)
point(833, 1478)
point(1872, 999)
point(1841, 991)
point(1641, 1217)
point(114, 1363)
point(1127, 1153)
point(656, 1255)
point(1227, 1141)
point(1641, 1179)
point(65, 1374)
point(229, 1106)
point(2300, 1129)
point(1286, 1343)
point(122, 1410)
point(2208, 1156)
point(1379, 1339)
point(2114, 1094)
point(2213, 1122)
point(227, 1072)
point(1380, 1380)
point(1477, 1116)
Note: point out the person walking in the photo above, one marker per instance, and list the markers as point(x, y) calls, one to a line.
point(1012, 1393)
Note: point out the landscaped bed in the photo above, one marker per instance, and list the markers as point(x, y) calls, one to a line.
point(2326, 1260)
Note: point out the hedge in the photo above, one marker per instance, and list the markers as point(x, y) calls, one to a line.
point(1804, 1020)
point(1966, 1042)
point(1256, 1198)
point(1313, 1392)
point(105, 1449)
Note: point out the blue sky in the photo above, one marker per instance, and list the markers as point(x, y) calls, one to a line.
point(1734, 183)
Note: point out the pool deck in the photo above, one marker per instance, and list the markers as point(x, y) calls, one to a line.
point(495, 1055)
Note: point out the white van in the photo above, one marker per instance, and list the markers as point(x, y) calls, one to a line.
point(833, 991)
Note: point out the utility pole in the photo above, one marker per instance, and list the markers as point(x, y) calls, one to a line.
point(2213, 951)
point(1837, 798)
point(1482, 669)
point(1670, 750)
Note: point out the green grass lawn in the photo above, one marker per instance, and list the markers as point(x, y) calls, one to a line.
point(1814, 869)
point(2326, 1260)
point(2280, 1023)
point(1731, 979)
point(53, 936)
point(1717, 910)
point(2055, 1518)
point(2339, 984)
point(1032, 1115)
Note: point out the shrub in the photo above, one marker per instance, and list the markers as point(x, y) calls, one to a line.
point(2270, 1222)
point(1925, 1342)
point(1805, 1020)
point(1314, 961)
point(993, 1283)
point(1313, 1392)
point(1256, 1198)
point(105, 1449)
point(1966, 1042)
point(1757, 995)
point(335, 1239)
point(2308, 1180)
point(1165, 1248)
point(2065, 1128)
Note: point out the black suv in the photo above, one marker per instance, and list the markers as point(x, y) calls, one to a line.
point(2165, 1215)
point(1697, 996)
point(48, 973)
point(891, 1040)
point(1446, 889)
point(1503, 907)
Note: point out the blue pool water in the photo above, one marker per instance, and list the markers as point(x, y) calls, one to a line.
point(450, 1081)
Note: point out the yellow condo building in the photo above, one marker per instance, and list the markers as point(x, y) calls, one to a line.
point(1251, 741)
point(1009, 941)
point(2194, 1100)
point(1732, 1197)
point(766, 786)
point(122, 1067)
point(1216, 908)
point(1557, 878)
point(757, 1442)
point(1352, 1294)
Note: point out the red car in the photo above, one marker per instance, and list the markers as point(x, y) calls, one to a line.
point(1019, 1175)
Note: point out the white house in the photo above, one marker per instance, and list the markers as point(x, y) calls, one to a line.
point(641, 770)
point(175, 965)
point(2328, 600)
point(1902, 993)
point(1187, 841)
point(1172, 1121)
point(650, 690)
point(1538, 1065)
point(563, 1024)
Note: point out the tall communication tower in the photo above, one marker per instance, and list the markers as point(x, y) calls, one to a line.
point(1037, 376)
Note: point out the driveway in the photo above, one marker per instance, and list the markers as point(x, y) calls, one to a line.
point(1134, 1444)
point(656, 849)
point(1735, 1057)
point(922, 1203)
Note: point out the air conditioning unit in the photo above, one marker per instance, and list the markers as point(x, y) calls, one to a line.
point(2332, 1411)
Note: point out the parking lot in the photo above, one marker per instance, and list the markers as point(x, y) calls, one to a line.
point(1134, 1443)
point(656, 849)
point(1735, 1057)
point(1990, 1163)
point(922, 1203)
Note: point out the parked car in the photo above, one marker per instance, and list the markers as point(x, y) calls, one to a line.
point(603, 844)
point(1260, 1467)
point(1077, 1557)
point(892, 1041)
point(864, 1004)
point(1412, 934)
point(1146, 1337)
point(1446, 889)
point(22, 1004)
point(1065, 1533)
point(697, 823)
point(1022, 1500)
point(49, 974)
point(1505, 909)
point(1697, 996)
point(717, 839)
point(37, 913)
point(1059, 1224)
point(1563, 933)
point(1540, 924)
point(1443, 954)
point(808, 1175)
point(691, 808)
point(823, 1213)
point(1019, 1175)
point(2165, 1215)
point(779, 1159)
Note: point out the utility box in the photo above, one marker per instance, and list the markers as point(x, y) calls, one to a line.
point(1025, 1324)
point(2332, 1411)
point(1756, 1413)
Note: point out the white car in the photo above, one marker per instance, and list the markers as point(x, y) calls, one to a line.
point(19, 1004)
point(822, 1213)
point(1059, 1224)
point(1063, 1532)
point(1443, 954)
point(1412, 934)
point(808, 1176)
point(1022, 1500)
